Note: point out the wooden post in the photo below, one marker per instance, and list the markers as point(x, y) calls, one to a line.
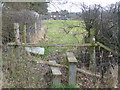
point(24, 34)
point(16, 49)
point(35, 28)
point(92, 51)
point(92, 55)
point(56, 79)
point(72, 68)
point(16, 31)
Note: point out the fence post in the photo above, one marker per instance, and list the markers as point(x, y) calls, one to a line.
point(72, 68)
point(92, 55)
point(24, 34)
point(92, 51)
point(16, 31)
point(15, 49)
point(35, 28)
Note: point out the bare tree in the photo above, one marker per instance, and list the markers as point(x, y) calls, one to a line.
point(105, 23)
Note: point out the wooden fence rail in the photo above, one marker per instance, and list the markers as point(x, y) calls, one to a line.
point(65, 45)
point(52, 45)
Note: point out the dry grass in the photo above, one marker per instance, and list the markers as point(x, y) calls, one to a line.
point(21, 70)
point(38, 36)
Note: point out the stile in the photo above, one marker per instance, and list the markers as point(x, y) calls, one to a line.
point(72, 68)
point(56, 80)
point(71, 57)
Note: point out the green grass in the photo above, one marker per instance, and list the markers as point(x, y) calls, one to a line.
point(57, 35)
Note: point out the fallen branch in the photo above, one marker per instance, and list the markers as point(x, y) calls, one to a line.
point(65, 66)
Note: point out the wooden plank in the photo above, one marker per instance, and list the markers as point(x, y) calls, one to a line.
point(55, 70)
point(35, 50)
point(56, 80)
point(71, 57)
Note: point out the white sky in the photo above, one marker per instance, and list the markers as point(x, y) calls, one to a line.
point(74, 5)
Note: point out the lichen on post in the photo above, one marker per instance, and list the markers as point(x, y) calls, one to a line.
point(24, 34)
point(92, 51)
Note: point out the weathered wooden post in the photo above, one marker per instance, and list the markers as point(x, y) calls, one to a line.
point(16, 31)
point(92, 54)
point(72, 68)
point(92, 51)
point(14, 50)
point(17, 39)
point(24, 38)
point(56, 79)
point(24, 34)
point(35, 28)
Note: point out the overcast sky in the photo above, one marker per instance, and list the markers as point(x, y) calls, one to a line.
point(74, 5)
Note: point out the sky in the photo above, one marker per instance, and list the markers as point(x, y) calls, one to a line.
point(74, 5)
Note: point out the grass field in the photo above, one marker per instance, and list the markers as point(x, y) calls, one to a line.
point(63, 32)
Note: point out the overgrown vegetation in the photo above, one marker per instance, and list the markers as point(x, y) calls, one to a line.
point(105, 23)
point(23, 13)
